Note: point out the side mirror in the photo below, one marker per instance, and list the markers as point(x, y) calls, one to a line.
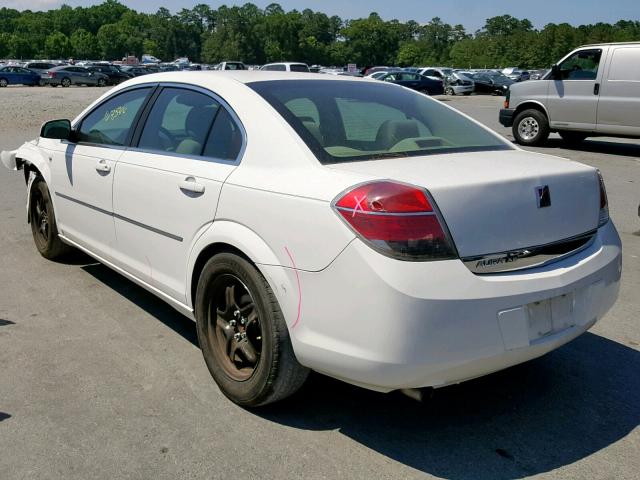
point(555, 72)
point(57, 130)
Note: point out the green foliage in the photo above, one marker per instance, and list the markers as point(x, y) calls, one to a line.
point(110, 30)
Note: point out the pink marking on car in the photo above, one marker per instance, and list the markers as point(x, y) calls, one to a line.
point(358, 205)
point(295, 270)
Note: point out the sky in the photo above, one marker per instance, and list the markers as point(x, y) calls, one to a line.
point(470, 13)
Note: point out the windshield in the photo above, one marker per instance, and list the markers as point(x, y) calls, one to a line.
point(344, 121)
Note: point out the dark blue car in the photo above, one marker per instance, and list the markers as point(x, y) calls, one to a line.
point(414, 81)
point(13, 75)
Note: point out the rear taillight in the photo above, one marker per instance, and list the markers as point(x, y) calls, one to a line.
point(604, 202)
point(398, 220)
point(507, 98)
point(51, 74)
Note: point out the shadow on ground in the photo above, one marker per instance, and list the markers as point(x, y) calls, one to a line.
point(595, 145)
point(526, 420)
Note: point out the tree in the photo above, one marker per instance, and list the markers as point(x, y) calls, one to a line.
point(84, 44)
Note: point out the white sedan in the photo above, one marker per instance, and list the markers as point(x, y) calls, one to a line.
point(349, 226)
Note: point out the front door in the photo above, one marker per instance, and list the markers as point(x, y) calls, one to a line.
point(166, 190)
point(572, 100)
point(83, 171)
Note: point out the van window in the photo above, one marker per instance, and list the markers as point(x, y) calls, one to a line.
point(582, 65)
point(625, 64)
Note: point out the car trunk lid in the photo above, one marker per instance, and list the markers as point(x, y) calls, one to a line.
point(496, 201)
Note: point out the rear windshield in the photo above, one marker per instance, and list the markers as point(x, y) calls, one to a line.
point(346, 121)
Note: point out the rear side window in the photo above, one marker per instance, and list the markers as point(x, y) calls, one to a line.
point(625, 64)
point(275, 68)
point(364, 120)
point(111, 122)
point(225, 139)
point(298, 68)
point(179, 122)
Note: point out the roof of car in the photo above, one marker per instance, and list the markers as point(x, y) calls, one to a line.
point(241, 76)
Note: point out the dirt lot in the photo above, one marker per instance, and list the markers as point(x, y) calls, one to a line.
point(99, 379)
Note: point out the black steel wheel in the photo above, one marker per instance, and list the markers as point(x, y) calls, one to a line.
point(43, 222)
point(242, 333)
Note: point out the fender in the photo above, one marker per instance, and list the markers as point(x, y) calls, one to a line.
point(30, 155)
point(523, 105)
point(283, 279)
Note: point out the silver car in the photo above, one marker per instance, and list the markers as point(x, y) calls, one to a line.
point(41, 68)
point(68, 75)
point(593, 91)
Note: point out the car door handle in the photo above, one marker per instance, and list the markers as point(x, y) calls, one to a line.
point(596, 89)
point(103, 167)
point(189, 184)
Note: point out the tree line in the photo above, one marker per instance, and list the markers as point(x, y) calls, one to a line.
point(110, 30)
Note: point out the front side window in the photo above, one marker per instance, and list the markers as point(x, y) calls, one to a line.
point(275, 68)
point(111, 122)
point(582, 65)
point(298, 68)
point(367, 120)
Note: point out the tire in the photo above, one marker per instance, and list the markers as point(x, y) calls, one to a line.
point(43, 222)
point(233, 291)
point(449, 91)
point(65, 82)
point(530, 127)
point(101, 82)
point(42, 83)
point(572, 138)
point(3, 82)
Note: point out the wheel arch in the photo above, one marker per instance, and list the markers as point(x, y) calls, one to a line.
point(531, 105)
point(228, 236)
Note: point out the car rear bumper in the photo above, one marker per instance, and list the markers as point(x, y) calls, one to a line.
point(385, 324)
point(506, 116)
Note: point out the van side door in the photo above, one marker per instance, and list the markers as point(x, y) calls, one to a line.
point(573, 95)
point(620, 92)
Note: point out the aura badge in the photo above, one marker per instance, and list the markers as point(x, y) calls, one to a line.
point(543, 196)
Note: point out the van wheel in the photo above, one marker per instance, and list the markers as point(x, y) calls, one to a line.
point(43, 223)
point(242, 334)
point(530, 127)
point(572, 138)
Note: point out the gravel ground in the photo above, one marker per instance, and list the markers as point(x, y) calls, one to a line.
point(99, 379)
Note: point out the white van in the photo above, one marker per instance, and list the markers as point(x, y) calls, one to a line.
point(593, 91)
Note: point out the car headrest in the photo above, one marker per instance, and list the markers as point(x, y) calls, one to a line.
point(393, 131)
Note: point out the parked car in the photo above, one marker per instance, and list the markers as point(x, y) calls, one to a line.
point(134, 70)
point(458, 84)
point(538, 74)
point(516, 74)
point(278, 270)
point(436, 72)
point(68, 75)
point(367, 71)
point(41, 68)
point(115, 76)
point(490, 82)
point(168, 67)
point(593, 91)
point(286, 67)
point(230, 66)
point(414, 81)
point(13, 75)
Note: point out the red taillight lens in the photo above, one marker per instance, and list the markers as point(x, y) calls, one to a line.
point(51, 74)
point(604, 202)
point(397, 220)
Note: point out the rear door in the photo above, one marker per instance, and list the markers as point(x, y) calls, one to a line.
point(167, 186)
point(83, 172)
point(620, 92)
point(572, 100)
